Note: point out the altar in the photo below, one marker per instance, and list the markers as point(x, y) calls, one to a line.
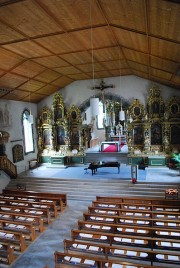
point(157, 161)
point(110, 146)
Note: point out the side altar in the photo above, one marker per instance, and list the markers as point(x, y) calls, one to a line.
point(153, 130)
point(62, 138)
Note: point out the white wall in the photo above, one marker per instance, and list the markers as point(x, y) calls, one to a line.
point(4, 180)
point(15, 110)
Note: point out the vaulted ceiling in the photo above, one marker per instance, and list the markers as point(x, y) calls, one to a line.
point(47, 44)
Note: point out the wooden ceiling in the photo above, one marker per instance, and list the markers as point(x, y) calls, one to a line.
point(47, 44)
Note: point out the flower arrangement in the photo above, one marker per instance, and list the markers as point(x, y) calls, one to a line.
point(176, 158)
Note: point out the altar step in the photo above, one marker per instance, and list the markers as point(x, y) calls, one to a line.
point(87, 190)
point(100, 156)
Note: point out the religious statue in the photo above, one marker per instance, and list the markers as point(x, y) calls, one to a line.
point(119, 129)
point(147, 141)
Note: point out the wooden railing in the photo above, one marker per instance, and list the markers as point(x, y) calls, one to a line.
point(8, 167)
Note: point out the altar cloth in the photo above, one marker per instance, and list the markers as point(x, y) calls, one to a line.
point(110, 146)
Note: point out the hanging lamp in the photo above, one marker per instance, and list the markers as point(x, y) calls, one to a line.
point(121, 113)
point(94, 101)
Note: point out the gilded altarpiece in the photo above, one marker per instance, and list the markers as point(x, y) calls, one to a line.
point(62, 138)
point(75, 128)
point(154, 129)
point(45, 130)
point(60, 126)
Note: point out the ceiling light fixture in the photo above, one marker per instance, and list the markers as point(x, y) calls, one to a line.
point(121, 112)
point(94, 102)
point(30, 117)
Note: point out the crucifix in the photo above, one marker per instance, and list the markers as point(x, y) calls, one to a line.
point(102, 87)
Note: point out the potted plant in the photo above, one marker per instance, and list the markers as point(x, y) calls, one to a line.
point(176, 158)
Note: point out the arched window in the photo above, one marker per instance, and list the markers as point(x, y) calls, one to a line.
point(28, 133)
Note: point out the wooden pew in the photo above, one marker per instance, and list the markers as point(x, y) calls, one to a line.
point(106, 251)
point(136, 220)
point(61, 199)
point(6, 253)
point(17, 240)
point(30, 204)
point(31, 199)
point(128, 206)
point(124, 241)
point(27, 229)
point(134, 213)
point(43, 212)
point(134, 200)
point(36, 221)
point(66, 260)
point(169, 242)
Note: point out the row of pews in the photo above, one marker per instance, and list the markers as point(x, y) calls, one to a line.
point(23, 216)
point(125, 232)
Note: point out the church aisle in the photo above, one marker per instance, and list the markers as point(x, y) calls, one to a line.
point(41, 252)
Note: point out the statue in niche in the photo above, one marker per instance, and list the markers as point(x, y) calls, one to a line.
point(147, 141)
point(165, 140)
point(146, 138)
point(166, 115)
point(119, 129)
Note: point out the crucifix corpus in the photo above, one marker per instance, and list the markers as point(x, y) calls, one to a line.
point(102, 86)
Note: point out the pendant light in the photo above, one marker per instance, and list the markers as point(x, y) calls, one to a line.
point(121, 113)
point(94, 101)
point(30, 117)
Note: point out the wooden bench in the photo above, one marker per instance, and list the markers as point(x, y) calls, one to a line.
point(43, 212)
point(134, 200)
point(95, 165)
point(17, 240)
point(31, 199)
point(36, 221)
point(105, 251)
point(6, 253)
point(123, 232)
point(170, 240)
point(66, 260)
point(130, 206)
point(136, 220)
point(27, 229)
point(135, 213)
point(61, 199)
point(30, 204)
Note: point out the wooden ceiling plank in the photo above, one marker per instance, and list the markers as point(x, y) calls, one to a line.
point(72, 16)
point(128, 14)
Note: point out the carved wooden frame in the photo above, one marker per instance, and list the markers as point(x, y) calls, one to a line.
point(136, 110)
